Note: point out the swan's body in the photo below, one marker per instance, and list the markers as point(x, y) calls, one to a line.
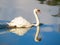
point(21, 22)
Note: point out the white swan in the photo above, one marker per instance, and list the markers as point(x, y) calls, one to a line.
point(21, 22)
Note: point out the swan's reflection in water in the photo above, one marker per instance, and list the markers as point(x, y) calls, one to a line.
point(19, 31)
point(37, 39)
point(22, 31)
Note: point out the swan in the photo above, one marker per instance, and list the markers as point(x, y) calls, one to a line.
point(22, 22)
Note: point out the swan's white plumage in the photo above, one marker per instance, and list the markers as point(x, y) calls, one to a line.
point(20, 22)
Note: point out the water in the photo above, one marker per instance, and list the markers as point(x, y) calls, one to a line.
point(14, 37)
point(49, 32)
point(9, 9)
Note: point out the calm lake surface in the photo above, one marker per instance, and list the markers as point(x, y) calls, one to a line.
point(49, 31)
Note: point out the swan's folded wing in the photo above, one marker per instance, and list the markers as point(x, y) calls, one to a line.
point(19, 22)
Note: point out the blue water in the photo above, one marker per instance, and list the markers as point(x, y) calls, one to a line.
point(48, 37)
point(9, 9)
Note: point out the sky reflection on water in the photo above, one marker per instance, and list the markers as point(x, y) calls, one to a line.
point(9, 9)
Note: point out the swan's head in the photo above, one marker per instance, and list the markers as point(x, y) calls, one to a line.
point(37, 11)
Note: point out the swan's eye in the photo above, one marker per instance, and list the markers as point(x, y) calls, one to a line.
point(38, 10)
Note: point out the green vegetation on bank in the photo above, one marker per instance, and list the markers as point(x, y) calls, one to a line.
point(51, 2)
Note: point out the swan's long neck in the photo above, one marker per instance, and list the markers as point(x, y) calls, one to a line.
point(37, 20)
